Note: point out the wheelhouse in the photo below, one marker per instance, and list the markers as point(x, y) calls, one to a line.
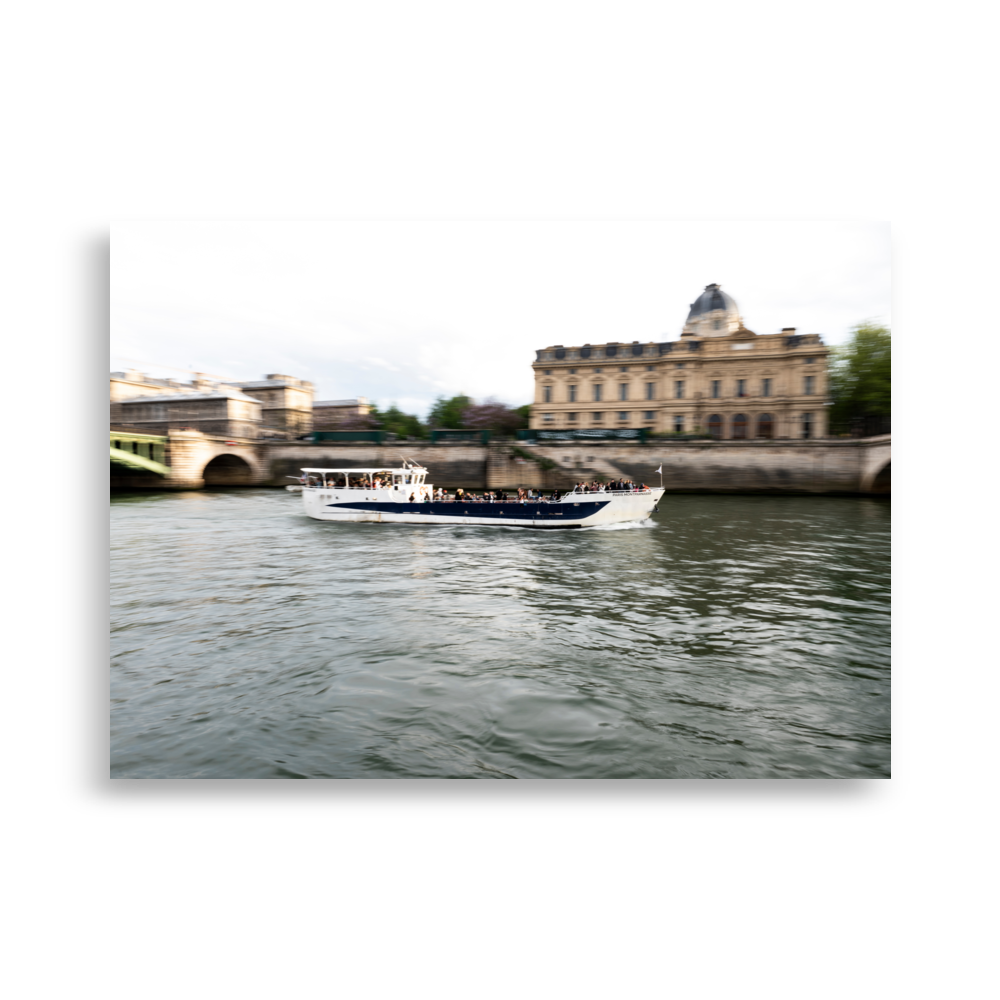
point(374, 478)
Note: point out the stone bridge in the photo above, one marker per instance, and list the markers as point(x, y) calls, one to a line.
point(831, 466)
point(184, 460)
point(876, 467)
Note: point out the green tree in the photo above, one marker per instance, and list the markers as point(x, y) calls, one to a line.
point(447, 413)
point(861, 381)
point(396, 422)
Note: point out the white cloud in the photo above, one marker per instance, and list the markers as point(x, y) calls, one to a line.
point(411, 310)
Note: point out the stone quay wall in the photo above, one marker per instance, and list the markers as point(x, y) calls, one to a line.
point(825, 466)
point(832, 466)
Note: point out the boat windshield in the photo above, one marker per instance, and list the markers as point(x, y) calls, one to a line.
point(362, 479)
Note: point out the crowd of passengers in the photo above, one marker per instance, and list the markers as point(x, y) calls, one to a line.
point(495, 496)
point(423, 495)
point(534, 496)
point(615, 486)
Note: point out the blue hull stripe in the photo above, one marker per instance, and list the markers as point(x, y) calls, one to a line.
point(555, 512)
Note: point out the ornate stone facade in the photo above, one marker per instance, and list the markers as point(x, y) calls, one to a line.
point(282, 405)
point(224, 411)
point(329, 414)
point(286, 403)
point(718, 377)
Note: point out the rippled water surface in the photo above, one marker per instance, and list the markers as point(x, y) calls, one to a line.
point(729, 637)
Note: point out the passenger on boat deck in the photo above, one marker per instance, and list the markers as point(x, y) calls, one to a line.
point(413, 498)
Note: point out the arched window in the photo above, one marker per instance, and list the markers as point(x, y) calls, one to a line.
point(715, 426)
point(765, 426)
point(740, 427)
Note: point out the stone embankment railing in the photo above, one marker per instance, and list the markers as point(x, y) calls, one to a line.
point(844, 466)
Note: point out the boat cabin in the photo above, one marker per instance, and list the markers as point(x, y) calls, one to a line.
point(380, 479)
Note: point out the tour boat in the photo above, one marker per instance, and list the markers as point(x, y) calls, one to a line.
point(403, 496)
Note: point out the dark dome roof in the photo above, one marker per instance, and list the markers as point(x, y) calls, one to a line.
point(712, 298)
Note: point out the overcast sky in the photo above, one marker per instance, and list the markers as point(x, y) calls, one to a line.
point(406, 311)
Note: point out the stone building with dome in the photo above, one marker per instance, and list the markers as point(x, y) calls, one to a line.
point(718, 378)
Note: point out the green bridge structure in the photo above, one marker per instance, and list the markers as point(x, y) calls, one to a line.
point(140, 452)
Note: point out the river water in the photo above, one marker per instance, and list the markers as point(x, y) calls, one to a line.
point(727, 637)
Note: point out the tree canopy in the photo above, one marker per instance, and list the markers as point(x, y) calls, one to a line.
point(447, 413)
point(861, 381)
point(457, 413)
point(493, 415)
point(396, 422)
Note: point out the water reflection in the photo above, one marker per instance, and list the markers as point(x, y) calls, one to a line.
point(729, 637)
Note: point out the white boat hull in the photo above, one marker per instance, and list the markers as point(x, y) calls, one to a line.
point(576, 510)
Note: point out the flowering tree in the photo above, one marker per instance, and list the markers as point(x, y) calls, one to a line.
point(492, 415)
point(356, 422)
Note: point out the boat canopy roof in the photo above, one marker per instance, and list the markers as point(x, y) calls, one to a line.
point(371, 470)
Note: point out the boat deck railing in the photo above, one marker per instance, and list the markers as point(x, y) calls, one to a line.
point(472, 499)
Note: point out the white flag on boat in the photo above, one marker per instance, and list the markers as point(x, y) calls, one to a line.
point(660, 469)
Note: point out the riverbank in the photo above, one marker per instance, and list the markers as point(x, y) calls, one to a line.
point(826, 467)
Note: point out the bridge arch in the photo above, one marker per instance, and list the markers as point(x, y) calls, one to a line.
point(876, 468)
point(882, 481)
point(228, 469)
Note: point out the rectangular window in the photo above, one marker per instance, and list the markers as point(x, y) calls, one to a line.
point(547, 394)
point(678, 425)
point(678, 390)
point(651, 368)
point(650, 390)
point(548, 371)
point(765, 387)
point(810, 384)
point(716, 388)
point(572, 393)
point(623, 390)
point(807, 426)
point(623, 369)
point(648, 415)
point(597, 393)
point(741, 387)
point(623, 415)
point(598, 416)
point(680, 364)
point(547, 417)
point(571, 417)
